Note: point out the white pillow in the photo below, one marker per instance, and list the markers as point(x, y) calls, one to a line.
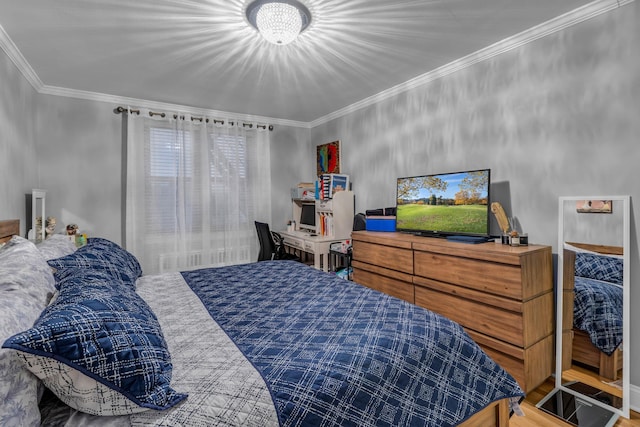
point(26, 285)
point(56, 246)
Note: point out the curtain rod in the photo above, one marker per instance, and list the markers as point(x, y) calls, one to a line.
point(120, 110)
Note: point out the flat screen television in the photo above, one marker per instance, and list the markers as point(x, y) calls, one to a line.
point(446, 204)
point(308, 217)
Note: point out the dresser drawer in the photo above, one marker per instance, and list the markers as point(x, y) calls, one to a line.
point(530, 367)
point(390, 257)
point(391, 285)
point(514, 366)
point(501, 324)
point(518, 323)
point(498, 279)
point(294, 242)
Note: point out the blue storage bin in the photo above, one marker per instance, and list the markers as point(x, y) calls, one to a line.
point(381, 223)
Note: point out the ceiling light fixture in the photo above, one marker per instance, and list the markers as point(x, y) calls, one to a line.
point(279, 22)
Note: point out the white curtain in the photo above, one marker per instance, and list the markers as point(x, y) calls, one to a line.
point(194, 190)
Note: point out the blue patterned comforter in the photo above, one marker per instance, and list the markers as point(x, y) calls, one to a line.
point(598, 311)
point(334, 353)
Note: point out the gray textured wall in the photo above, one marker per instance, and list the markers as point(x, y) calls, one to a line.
point(556, 117)
point(80, 152)
point(18, 156)
point(290, 152)
point(70, 148)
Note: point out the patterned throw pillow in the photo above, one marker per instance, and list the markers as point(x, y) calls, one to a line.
point(99, 348)
point(100, 254)
point(599, 267)
point(26, 285)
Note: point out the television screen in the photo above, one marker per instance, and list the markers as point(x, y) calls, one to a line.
point(308, 216)
point(444, 204)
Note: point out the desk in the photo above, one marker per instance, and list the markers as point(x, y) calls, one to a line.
point(316, 245)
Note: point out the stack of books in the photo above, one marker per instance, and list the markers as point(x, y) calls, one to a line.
point(328, 184)
point(325, 227)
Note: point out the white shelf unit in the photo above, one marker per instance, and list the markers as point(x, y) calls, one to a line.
point(336, 214)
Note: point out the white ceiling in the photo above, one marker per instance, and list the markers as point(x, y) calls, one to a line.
point(203, 54)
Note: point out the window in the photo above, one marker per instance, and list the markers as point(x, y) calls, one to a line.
point(172, 161)
point(193, 192)
point(229, 182)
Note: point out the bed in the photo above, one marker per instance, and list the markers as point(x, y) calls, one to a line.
point(593, 307)
point(269, 343)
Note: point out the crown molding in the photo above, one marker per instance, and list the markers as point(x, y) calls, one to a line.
point(20, 62)
point(163, 106)
point(554, 25)
point(559, 23)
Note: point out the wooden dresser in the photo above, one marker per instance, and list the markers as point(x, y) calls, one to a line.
point(501, 295)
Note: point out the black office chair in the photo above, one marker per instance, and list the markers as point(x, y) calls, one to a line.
point(359, 222)
point(271, 244)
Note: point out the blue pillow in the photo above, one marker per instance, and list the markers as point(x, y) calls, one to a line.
point(99, 348)
point(100, 254)
point(599, 267)
point(84, 282)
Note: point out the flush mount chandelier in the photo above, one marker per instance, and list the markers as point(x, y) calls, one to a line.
point(279, 22)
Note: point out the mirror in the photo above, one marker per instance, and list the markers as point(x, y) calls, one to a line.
point(592, 352)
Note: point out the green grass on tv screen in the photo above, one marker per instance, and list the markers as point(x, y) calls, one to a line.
point(451, 219)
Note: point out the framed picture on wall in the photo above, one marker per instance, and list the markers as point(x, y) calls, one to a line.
point(594, 206)
point(328, 158)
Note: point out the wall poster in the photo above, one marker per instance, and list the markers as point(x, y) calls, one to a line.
point(328, 158)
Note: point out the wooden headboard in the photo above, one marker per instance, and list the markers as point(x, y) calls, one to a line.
point(601, 249)
point(9, 228)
